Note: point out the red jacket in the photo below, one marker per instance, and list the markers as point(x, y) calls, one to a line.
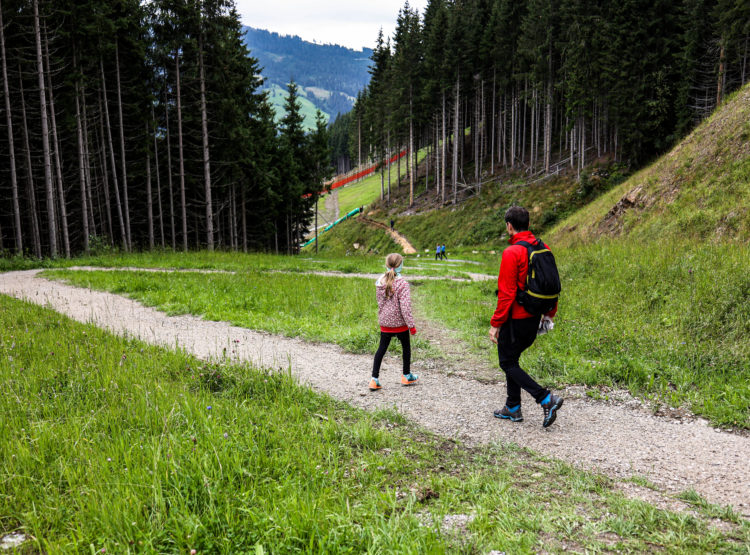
point(513, 269)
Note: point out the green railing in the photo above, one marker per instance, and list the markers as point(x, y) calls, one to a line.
point(329, 226)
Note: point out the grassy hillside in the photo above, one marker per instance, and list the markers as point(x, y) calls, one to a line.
point(277, 97)
point(700, 190)
point(478, 221)
point(331, 74)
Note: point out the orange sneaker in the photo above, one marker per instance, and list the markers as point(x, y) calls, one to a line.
point(375, 384)
point(409, 379)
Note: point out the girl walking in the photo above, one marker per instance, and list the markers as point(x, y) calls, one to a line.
point(394, 317)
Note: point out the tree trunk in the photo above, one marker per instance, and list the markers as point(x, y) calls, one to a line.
point(206, 157)
point(149, 196)
point(382, 190)
point(105, 172)
point(548, 128)
point(36, 233)
point(523, 121)
point(427, 166)
point(232, 218)
point(503, 130)
point(390, 155)
point(513, 127)
point(11, 147)
point(126, 204)
point(476, 133)
point(492, 138)
point(51, 216)
point(81, 168)
point(56, 148)
point(158, 180)
point(169, 171)
point(411, 150)
point(721, 77)
point(456, 140)
point(121, 219)
point(181, 154)
point(442, 157)
point(244, 222)
point(87, 165)
point(398, 168)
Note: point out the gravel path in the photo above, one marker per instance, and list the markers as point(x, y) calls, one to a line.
point(619, 439)
point(397, 237)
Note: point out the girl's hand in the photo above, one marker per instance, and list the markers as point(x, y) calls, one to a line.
point(413, 331)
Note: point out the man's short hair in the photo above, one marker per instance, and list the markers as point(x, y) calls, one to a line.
point(518, 217)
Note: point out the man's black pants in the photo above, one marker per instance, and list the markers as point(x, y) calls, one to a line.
point(514, 338)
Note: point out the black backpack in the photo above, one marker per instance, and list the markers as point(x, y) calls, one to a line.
point(542, 281)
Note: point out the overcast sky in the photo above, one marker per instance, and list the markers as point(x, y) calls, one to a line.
point(351, 23)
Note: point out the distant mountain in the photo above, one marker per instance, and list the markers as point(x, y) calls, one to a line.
point(329, 76)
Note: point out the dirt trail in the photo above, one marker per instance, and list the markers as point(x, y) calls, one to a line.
point(402, 241)
point(619, 439)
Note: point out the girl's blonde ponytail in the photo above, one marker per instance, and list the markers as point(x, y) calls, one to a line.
point(392, 261)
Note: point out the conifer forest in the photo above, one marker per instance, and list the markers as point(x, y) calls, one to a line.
point(140, 125)
point(542, 86)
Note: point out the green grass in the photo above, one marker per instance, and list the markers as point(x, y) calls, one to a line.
point(202, 260)
point(700, 190)
point(277, 97)
point(672, 329)
point(316, 308)
point(108, 444)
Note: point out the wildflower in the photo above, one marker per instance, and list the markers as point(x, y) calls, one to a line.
point(193, 552)
point(209, 407)
point(109, 460)
point(226, 435)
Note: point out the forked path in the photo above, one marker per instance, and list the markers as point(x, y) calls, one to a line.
point(614, 439)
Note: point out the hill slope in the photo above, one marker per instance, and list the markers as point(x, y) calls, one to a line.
point(699, 190)
point(330, 76)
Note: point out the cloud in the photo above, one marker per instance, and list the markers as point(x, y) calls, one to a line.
point(353, 23)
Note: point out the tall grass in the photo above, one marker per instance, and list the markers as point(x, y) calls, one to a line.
point(669, 321)
point(317, 308)
point(111, 445)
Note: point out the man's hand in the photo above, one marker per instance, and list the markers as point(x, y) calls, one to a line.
point(493, 334)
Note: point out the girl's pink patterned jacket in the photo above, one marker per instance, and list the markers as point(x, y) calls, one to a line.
point(394, 313)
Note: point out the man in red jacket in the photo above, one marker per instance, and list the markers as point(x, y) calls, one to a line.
point(513, 329)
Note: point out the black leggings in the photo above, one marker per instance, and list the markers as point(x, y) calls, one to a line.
point(385, 340)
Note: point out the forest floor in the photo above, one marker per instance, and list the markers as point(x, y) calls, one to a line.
point(652, 457)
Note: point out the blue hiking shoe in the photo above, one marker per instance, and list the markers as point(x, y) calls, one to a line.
point(550, 405)
point(409, 379)
point(514, 414)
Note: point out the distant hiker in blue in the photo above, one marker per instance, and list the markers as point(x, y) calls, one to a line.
point(437, 253)
point(442, 252)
